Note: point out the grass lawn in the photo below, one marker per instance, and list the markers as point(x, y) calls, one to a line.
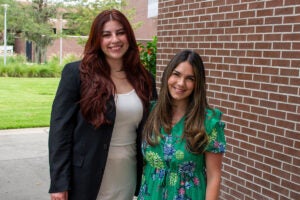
point(26, 102)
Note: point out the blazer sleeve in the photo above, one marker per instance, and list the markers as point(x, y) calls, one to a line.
point(154, 90)
point(63, 120)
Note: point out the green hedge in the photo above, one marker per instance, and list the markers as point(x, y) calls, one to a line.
point(16, 66)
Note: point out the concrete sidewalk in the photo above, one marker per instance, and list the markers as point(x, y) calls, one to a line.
point(24, 170)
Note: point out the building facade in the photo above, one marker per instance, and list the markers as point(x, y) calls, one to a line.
point(251, 51)
point(146, 16)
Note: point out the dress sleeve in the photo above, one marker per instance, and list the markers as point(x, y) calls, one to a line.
point(215, 131)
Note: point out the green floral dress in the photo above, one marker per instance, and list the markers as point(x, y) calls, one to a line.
point(173, 173)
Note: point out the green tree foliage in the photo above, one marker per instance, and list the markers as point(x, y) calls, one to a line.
point(13, 20)
point(81, 15)
point(30, 21)
point(38, 27)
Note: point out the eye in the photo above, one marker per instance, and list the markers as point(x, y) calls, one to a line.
point(105, 35)
point(121, 33)
point(191, 78)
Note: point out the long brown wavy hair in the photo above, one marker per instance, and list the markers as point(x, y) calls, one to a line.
point(96, 85)
point(161, 115)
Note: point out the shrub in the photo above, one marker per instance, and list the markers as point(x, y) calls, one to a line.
point(148, 55)
point(16, 66)
point(32, 71)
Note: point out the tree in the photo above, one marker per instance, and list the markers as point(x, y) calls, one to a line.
point(81, 15)
point(13, 22)
point(31, 21)
point(38, 27)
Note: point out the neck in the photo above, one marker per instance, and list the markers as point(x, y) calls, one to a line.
point(178, 111)
point(115, 65)
point(179, 106)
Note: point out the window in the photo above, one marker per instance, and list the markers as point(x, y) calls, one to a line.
point(152, 8)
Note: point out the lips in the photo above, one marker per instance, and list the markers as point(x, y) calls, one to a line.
point(178, 90)
point(115, 48)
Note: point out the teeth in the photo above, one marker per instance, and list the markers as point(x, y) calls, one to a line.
point(115, 47)
point(179, 90)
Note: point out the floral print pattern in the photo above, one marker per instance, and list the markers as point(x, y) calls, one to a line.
point(173, 173)
point(154, 160)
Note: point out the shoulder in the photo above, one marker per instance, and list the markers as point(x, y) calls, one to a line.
point(71, 73)
point(213, 113)
point(72, 67)
point(213, 118)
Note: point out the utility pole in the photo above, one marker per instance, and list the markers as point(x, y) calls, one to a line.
point(4, 38)
point(60, 40)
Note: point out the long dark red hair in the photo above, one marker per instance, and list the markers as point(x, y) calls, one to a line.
point(96, 85)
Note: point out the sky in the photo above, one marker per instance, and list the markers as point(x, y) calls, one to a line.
point(58, 1)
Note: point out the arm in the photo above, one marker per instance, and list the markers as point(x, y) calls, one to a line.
point(213, 172)
point(154, 90)
point(63, 120)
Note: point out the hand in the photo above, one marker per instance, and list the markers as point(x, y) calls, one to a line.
point(59, 196)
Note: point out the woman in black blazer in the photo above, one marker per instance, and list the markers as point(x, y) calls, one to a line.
point(98, 113)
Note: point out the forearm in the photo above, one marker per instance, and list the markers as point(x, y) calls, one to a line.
point(213, 188)
point(213, 174)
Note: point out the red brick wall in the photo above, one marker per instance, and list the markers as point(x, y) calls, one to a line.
point(251, 50)
point(70, 46)
point(148, 28)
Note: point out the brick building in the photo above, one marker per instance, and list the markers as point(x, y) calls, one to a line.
point(145, 15)
point(251, 50)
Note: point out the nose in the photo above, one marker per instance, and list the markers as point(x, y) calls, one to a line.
point(115, 38)
point(180, 81)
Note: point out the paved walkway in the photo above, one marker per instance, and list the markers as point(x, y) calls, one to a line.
point(24, 170)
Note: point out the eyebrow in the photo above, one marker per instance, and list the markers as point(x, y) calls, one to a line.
point(190, 76)
point(121, 29)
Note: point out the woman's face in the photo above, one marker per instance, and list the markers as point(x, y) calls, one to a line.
point(181, 83)
point(114, 41)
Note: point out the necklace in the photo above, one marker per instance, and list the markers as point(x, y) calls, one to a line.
point(119, 77)
point(118, 74)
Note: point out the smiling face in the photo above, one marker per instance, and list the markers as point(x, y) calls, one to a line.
point(114, 42)
point(181, 83)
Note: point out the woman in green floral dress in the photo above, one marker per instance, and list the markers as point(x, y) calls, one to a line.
point(184, 137)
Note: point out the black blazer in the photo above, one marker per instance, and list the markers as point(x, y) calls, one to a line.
point(77, 151)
